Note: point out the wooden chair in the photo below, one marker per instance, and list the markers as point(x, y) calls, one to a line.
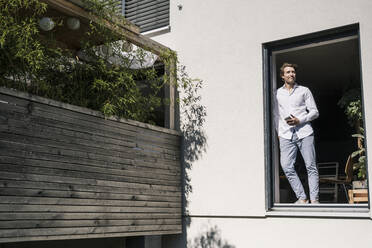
point(346, 180)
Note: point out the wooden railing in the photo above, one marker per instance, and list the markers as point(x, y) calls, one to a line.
point(66, 172)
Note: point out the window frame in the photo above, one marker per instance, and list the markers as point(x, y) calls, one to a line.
point(272, 208)
point(149, 32)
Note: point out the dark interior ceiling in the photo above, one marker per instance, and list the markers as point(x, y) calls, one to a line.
point(325, 67)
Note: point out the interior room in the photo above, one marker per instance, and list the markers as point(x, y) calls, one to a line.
point(330, 70)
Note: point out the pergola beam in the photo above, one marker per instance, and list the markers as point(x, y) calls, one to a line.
point(126, 30)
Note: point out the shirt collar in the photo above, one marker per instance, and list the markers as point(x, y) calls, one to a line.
point(294, 87)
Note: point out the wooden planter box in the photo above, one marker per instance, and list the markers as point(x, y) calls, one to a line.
point(66, 172)
point(358, 195)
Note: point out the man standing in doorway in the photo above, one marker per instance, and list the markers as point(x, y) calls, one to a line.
point(295, 108)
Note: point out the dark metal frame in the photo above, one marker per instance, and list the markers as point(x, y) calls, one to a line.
point(267, 49)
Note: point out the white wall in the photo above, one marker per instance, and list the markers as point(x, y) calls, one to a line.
point(289, 233)
point(221, 43)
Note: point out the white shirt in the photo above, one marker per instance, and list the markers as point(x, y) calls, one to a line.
point(298, 102)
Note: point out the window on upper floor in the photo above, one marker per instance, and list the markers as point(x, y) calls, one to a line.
point(328, 67)
point(146, 14)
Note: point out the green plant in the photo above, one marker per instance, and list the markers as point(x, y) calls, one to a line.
point(109, 77)
point(100, 77)
point(360, 166)
point(351, 102)
point(352, 105)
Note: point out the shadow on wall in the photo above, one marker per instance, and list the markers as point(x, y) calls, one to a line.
point(193, 115)
point(211, 238)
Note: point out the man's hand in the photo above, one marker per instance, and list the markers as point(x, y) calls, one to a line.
point(293, 121)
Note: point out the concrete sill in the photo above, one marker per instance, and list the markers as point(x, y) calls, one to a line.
point(357, 211)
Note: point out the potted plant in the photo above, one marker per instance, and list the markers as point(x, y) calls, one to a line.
point(351, 102)
point(360, 166)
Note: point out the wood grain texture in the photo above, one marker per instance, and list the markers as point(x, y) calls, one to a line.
point(25, 98)
point(66, 173)
point(88, 235)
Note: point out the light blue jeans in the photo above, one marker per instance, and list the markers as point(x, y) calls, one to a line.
point(288, 154)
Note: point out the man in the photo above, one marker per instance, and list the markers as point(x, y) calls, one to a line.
point(295, 108)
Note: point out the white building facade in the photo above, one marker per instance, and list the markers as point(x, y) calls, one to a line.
point(229, 45)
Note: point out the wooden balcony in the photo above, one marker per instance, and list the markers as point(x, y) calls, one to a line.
point(66, 172)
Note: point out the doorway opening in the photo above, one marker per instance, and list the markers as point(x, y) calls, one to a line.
point(331, 69)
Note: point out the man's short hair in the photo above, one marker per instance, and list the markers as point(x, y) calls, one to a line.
point(287, 65)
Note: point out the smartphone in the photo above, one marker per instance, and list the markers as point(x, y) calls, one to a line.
point(288, 118)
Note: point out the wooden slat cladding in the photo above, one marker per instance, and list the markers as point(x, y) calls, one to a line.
point(67, 172)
